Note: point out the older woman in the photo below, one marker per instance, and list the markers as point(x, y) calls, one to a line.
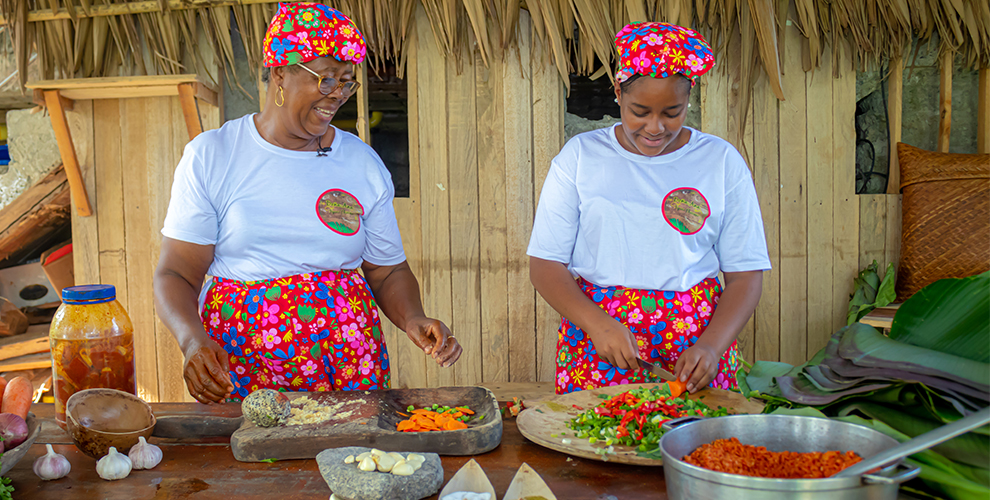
point(281, 209)
point(645, 214)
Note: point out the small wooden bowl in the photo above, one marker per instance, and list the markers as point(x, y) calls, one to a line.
point(14, 455)
point(100, 418)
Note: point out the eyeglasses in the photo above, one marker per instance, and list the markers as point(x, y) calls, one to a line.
point(330, 85)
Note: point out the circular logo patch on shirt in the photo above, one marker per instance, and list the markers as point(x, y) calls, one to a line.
point(340, 211)
point(686, 210)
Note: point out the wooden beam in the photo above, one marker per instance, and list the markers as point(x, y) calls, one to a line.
point(983, 113)
point(187, 98)
point(38, 97)
point(944, 101)
point(29, 362)
point(139, 7)
point(34, 341)
point(127, 87)
point(895, 97)
point(67, 150)
point(363, 125)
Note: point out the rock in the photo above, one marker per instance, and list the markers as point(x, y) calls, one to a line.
point(349, 483)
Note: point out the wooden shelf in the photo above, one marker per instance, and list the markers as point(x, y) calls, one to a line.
point(123, 87)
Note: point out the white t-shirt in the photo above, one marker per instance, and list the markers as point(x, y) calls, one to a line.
point(273, 212)
point(663, 223)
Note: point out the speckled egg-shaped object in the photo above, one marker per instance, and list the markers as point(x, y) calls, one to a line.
point(266, 408)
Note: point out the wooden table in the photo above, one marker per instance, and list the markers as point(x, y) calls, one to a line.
point(205, 468)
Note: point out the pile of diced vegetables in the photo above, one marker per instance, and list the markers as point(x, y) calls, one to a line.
point(633, 418)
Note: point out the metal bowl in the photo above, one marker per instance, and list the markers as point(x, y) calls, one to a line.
point(776, 433)
point(14, 455)
point(100, 418)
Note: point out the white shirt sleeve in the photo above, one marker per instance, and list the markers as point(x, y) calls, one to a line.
point(383, 243)
point(742, 244)
point(191, 216)
point(555, 227)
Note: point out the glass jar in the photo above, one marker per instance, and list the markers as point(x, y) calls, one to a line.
point(92, 342)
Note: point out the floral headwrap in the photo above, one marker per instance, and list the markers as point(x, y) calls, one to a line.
point(659, 50)
point(301, 32)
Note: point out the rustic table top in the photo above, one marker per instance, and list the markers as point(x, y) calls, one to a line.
point(205, 468)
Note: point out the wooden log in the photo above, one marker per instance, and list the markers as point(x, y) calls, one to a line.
point(12, 320)
point(67, 150)
point(944, 101)
point(187, 100)
point(895, 96)
point(121, 87)
point(983, 113)
point(36, 213)
point(29, 362)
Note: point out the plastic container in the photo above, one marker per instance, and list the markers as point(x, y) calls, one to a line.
point(92, 342)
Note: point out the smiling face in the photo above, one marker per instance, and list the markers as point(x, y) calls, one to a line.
point(306, 112)
point(653, 111)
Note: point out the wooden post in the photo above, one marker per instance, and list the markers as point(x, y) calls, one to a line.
point(983, 114)
point(944, 101)
point(363, 126)
point(66, 149)
point(895, 94)
point(190, 110)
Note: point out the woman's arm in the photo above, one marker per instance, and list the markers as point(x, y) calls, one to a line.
point(698, 366)
point(613, 341)
point(179, 277)
point(397, 292)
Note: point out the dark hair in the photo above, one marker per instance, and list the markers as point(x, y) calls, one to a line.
point(626, 85)
point(266, 72)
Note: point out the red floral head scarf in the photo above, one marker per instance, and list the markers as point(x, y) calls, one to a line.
point(659, 50)
point(301, 32)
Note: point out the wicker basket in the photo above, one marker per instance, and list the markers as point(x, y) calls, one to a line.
point(945, 230)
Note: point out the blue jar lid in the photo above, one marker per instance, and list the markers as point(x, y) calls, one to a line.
point(89, 293)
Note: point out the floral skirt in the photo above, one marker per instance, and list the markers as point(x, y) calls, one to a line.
point(665, 325)
point(309, 332)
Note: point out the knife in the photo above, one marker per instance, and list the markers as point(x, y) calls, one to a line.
point(656, 370)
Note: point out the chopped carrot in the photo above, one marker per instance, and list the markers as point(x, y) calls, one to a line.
point(425, 420)
point(403, 414)
point(465, 410)
point(676, 388)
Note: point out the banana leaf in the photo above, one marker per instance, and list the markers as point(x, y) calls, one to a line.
point(863, 345)
point(799, 389)
point(870, 292)
point(760, 376)
point(839, 370)
point(950, 316)
point(970, 448)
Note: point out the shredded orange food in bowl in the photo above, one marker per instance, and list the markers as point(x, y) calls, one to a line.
point(733, 457)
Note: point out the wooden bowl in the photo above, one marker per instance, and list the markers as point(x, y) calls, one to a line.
point(100, 418)
point(14, 455)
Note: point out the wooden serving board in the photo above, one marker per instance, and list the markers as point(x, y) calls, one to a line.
point(368, 418)
point(552, 415)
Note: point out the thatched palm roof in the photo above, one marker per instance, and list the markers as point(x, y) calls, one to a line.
point(90, 38)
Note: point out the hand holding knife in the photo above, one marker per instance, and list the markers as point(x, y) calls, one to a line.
point(657, 370)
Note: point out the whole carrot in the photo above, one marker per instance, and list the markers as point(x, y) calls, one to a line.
point(3, 385)
point(17, 397)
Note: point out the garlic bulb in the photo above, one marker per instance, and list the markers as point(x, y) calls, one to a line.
point(51, 465)
point(144, 455)
point(113, 466)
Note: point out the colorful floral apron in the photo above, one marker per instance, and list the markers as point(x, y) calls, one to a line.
point(309, 332)
point(665, 325)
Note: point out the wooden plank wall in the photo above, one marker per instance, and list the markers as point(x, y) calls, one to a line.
point(128, 161)
point(481, 142)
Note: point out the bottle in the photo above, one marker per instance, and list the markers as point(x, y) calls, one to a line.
point(92, 341)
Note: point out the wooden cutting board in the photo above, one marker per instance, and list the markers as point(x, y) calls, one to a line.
point(551, 416)
point(368, 418)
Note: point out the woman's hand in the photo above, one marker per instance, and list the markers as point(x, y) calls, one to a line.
point(435, 339)
point(698, 366)
point(615, 344)
point(207, 372)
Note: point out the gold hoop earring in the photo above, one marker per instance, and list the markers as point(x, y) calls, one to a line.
point(279, 93)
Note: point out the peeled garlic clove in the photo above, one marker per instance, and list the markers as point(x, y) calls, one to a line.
point(113, 466)
point(403, 469)
point(349, 459)
point(363, 456)
point(415, 457)
point(385, 463)
point(144, 455)
point(51, 465)
point(395, 456)
point(367, 464)
point(376, 453)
